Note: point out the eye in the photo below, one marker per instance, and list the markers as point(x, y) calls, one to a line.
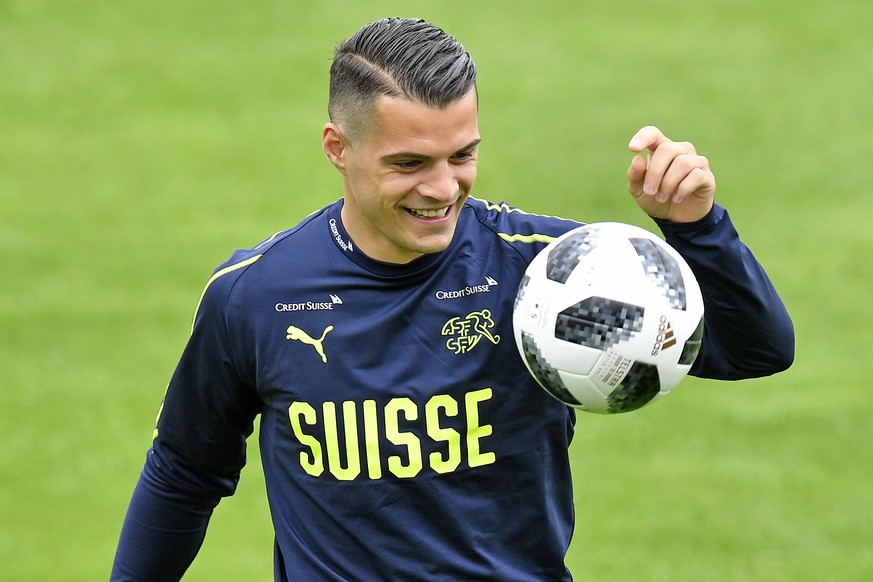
point(464, 155)
point(407, 164)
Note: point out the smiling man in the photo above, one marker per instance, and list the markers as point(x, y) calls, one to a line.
point(405, 185)
point(401, 435)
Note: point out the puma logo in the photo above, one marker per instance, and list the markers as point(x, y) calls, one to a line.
point(297, 334)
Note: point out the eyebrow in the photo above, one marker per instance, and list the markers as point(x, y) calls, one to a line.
point(409, 155)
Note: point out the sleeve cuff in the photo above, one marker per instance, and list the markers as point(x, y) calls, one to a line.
point(689, 229)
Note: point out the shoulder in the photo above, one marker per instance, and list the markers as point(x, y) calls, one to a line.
point(248, 265)
point(519, 228)
point(304, 236)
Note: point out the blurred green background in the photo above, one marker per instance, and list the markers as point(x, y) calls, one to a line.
point(140, 143)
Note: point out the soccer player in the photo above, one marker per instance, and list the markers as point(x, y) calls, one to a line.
point(402, 437)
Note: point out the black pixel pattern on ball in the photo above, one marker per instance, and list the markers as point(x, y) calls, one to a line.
point(598, 322)
point(567, 253)
point(636, 390)
point(545, 374)
point(692, 346)
point(522, 287)
point(662, 270)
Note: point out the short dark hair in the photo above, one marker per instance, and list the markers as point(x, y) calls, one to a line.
point(396, 57)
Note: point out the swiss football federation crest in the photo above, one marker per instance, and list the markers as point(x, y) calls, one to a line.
point(464, 333)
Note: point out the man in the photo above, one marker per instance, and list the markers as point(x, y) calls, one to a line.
point(397, 446)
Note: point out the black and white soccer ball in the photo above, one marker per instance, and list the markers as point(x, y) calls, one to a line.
point(608, 318)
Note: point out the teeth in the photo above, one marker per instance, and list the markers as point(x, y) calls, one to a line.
point(430, 213)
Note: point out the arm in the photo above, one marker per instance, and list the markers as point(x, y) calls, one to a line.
point(747, 330)
point(198, 450)
point(162, 531)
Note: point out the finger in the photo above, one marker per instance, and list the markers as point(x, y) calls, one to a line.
point(698, 181)
point(636, 173)
point(647, 138)
point(681, 166)
point(660, 162)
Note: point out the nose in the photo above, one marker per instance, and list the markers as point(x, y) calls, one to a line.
point(441, 182)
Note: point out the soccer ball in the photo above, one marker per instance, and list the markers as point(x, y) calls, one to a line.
point(608, 318)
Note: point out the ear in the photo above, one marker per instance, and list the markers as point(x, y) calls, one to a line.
point(335, 145)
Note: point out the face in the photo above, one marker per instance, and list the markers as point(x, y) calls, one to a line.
point(406, 180)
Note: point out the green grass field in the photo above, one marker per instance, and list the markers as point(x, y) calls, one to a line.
point(141, 143)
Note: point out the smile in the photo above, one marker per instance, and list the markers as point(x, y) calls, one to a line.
point(438, 213)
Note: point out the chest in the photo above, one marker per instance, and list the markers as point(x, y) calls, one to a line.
point(340, 335)
point(363, 375)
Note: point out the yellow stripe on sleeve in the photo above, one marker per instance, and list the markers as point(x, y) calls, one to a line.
point(221, 273)
point(503, 207)
point(526, 238)
point(523, 238)
point(224, 271)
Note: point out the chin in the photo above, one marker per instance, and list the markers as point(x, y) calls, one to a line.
point(433, 246)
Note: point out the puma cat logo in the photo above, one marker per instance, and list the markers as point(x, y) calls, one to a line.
point(297, 334)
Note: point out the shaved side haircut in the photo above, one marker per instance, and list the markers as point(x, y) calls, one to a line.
point(396, 57)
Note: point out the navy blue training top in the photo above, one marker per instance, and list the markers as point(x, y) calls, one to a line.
point(401, 436)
